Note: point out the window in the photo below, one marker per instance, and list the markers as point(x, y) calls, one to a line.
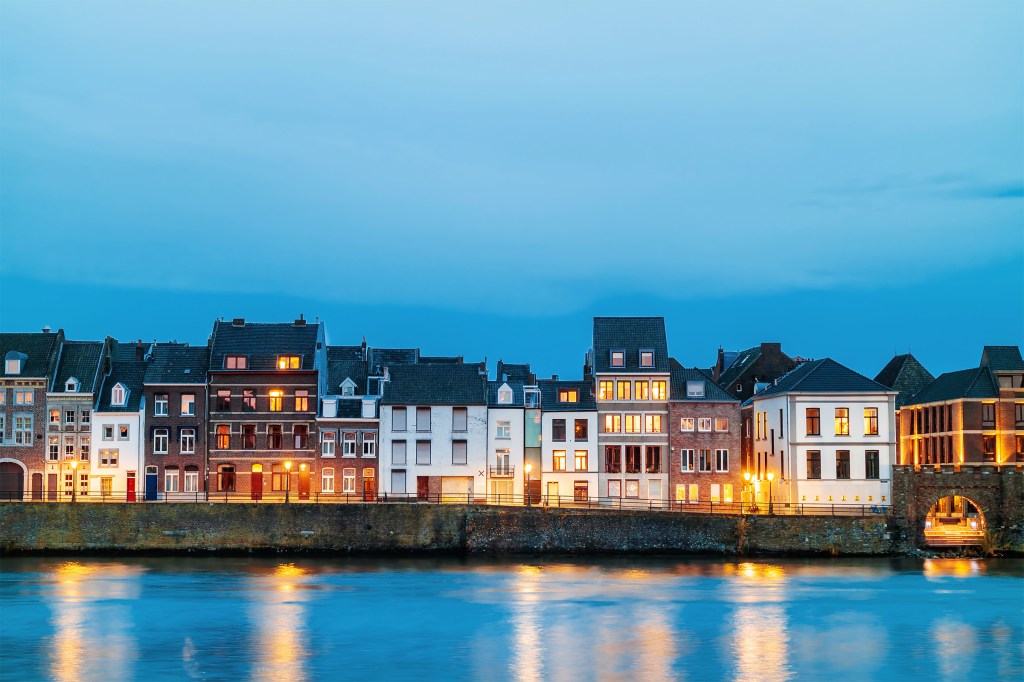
point(71, 386)
point(248, 400)
point(504, 396)
point(581, 462)
point(813, 421)
point(191, 479)
point(108, 432)
point(69, 447)
point(122, 432)
point(614, 488)
point(686, 461)
point(624, 389)
point(581, 430)
point(3, 396)
point(612, 423)
point(558, 429)
point(348, 481)
point(223, 400)
point(652, 423)
point(24, 396)
point(504, 430)
point(704, 424)
point(188, 404)
point(160, 405)
point(276, 400)
point(721, 424)
point(632, 488)
point(12, 365)
point(223, 436)
point(236, 362)
point(716, 492)
point(118, 395)
point(704, 461)
point(813, 464)
point(641, 389)
point(612, 459)
point(398, 452)
point(694, 389)
point(288, 362)
point(327, 479)
point(275, 436)
point(423, 452)
point(721, 460)
point(988, 444)
point(55, 416)
point(188, 441)
point(1018, 407)
point(580, 491)
point(988, 415)
point(53, 454)
point(226, 478)
point(423, 419)
point(842, 463)
point(460, 419)
point(279, 477)
point(301, 400)
point(86, 417)
point(327, 443)
point(633, 423)
point(348, 444)
point(605, 390)
point(160, 438)
point(659, 390)
point(870, 421)
point(398, 419)
point(86, 445)
point(653, 464)
point(558, 460)
point(108, 457)
point(568, 395)
point(248, 436)
point(617, 358)
point(686, 424)
point(460, 452)
point(871, 469)
point(300, 436)
point(171, 479)
point(369, 444)
point(633, 458)
point(842, 421)
point(647, 358)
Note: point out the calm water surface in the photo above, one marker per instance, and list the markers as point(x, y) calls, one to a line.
point(427, 619)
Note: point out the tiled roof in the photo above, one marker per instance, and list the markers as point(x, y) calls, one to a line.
point(1002, 358)
point(390, 356)
point(976, 382)
point(262, 343)
point(743, 361)
point(345, 362)
point(518, 396)
point(41, 349)
point(630, 334)
point(81, 360)
point(435, 384)
point(177, 363)
point(823, 376)
point(904, 374)
point(680, 375)
point(549, 395)
point(128, 368)
point(350, 408)
point(512, 372)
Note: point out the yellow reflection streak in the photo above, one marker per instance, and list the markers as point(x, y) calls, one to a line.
point(527, 664)
point(279, 618)
point(761, 643)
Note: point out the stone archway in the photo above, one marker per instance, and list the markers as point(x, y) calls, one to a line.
point(12, 479)
point(954, 521)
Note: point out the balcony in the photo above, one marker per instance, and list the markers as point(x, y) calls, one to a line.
point(502, 471)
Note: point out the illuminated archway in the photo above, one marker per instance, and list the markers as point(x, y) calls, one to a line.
point(954, 520)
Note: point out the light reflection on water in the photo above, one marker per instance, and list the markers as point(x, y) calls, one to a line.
point(614, 619)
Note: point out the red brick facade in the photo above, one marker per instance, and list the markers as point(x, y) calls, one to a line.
point(710, 442)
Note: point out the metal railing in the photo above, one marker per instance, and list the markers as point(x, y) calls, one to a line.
point(502, 471)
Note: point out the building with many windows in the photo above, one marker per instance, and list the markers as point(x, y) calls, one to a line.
point(513, 430)
point(570, 458)
point(118, 425)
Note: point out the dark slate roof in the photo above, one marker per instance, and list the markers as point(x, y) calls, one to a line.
point(823, 376)
point(1002, 358)
point(350, 408)
point(40, 347)
point(680, 375)
point(630, 334)
point(177, 363)
point(518, 396)
point(904, 374)
point(743, 361)
point(435, 384)
point(391, 356)
point(81, 360)
point(549, 395)
point(441, 359)
point(515, 372)
point(345, 362)
point(128, 368)
point(976, 382)
point(263, 342)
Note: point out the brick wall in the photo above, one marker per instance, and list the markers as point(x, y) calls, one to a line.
point(715, 440)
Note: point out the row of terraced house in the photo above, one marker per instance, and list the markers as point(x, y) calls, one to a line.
point(263, 411)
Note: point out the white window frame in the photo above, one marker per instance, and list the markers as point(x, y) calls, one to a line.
point(118, 395)
point(686, 463)
point(24, 424)
point(188, 400)
point(348, 481)
point(191, 480)
point(348, 445)
point(722, 455)
point(161, 437)
point(704, 424)
point(107, 432)
point(327, 480)
point(328, 439)
point(705, 461)
point(160, 404)
point(687, 424)
point(69, 413)
point(126, 430)
point(172, 475)
point(369, 444)
point(187, 441)
point(718, 421)
point(504, 430)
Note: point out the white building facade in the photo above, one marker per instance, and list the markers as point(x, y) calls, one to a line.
point(570, 464)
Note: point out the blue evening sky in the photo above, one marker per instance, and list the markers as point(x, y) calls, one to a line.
point(481, 178)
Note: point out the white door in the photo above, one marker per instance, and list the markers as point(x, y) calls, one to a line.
point(552, 492)
point(654, 490)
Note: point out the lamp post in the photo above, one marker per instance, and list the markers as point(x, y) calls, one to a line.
point(528, 469)
point(771, 509)
point(746, 484)
point(287, 480)
point(74, 483)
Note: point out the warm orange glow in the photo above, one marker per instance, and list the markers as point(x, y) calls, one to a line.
point(529, 468)
point(771, 476)
point(288, 465)
point(302, 467)
point(74, 464)
point(746, 476)
point(957, 568)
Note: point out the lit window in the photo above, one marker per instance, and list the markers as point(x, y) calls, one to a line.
point(641, 392)
point(348, 481)
point(505, 396)
point(659, 390)
point(721, 424)
point(188, 404)
point(686, 424)
point(581, 460)
point(704, 424)
point(568, 395)
point(870, 421)
point(301, 400)
point(842, 421)
point(236, 362)
point(288, 362)
point(223, 436)
point(558, 460)
point(612, 423)
point(122, 432)
point(633, 423)
point(652, 423)
point(54, 416)
point(581, 429)
point(276, 400)
point(328, 480)
point(24, 396)
point(624, 389)
point(606, 390)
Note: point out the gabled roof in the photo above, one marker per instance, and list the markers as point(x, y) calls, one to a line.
point(515, 372)
point(823, 376)
point(630, 334)
point(262, 343)
point(177, 363)
point(127, 367)
point(81, 360)
point(976, 382)
point(41, 349)
point(549, 395)
point(518, 395)
point(435, 384)
point(1002, 359)
point(680, 375)
point(345, 362)
point(904, 374)
point(742, 361)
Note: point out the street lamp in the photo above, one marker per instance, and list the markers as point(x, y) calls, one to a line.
point(771, 509)
point(528, 469)
point(74, 483)
point(287, 480)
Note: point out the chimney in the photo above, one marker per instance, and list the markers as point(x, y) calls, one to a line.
point(46, 329)
point(140, 350)
point(769, 347)
point(364, 349)
point(554, 377)
point(301, 322)
point(501, 371)
point(719, 365)
point(238, 322)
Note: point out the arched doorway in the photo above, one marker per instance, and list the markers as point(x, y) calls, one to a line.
point(954, 521)
point(12, 481)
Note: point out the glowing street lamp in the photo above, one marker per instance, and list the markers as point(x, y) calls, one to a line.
point(771, 509)
point(529, 468)
point(74, 482)
point(287, 480)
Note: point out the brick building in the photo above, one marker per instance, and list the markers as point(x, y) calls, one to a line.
point(741, 373)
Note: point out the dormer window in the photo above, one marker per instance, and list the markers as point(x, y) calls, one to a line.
point(568, 395)
point(617, 358)
point(118, 395)
point(71, 386)
point(504, 395)
point(288, 362)
point(647, 358)
point(14, 362)
point(236, 362)
point(694, 389)
point(348, 387)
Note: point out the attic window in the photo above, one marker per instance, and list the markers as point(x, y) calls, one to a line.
point(14, 362)
point(118, 395)
point(288, 362)
point(568, 395)
point(71, 386)
point(348, 387)
point(618, 358)
point(505, 395)
point(694, 389)
point(647, 358)
point(236, 362)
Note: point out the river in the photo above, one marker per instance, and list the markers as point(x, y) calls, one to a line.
point(529, 619)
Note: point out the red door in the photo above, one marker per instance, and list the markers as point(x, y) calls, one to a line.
point(51, 487)
point(131, 486)
point(423, 487)
point(369, 486)
point(257, 482)
point(303, 482)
